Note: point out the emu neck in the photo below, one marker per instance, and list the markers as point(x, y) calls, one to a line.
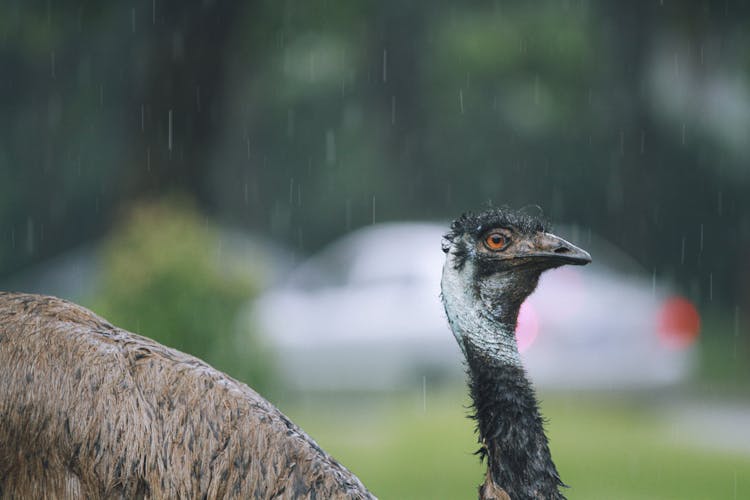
point(508, 421)
point(509, 424)
point(472, 320)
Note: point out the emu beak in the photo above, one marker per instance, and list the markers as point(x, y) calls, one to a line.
point(556, 251)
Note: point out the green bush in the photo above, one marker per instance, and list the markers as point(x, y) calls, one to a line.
point(164, 277)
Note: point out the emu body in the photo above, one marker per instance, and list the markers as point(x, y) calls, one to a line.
point(88, 410)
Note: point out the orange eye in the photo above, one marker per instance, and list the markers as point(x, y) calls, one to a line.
point(496, 241)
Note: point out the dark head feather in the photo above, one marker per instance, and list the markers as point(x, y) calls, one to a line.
point(476, 224)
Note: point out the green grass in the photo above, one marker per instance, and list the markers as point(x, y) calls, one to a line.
point(405, 447)
point(606, 451)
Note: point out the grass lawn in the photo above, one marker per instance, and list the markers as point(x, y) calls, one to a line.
point(410, 447)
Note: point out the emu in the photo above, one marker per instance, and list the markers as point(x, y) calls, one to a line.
point(88, 410)
point(493, 262)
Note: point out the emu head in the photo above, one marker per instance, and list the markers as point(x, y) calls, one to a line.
point(493, 262)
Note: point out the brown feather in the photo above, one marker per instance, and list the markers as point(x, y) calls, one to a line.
point(489, 490)
point(88, 410)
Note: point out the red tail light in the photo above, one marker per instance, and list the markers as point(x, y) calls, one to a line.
point(679, 323)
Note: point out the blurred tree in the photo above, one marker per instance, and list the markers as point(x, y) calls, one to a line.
point(305, 120)
point(59, 134)
point(163, 277)
point(176, 102)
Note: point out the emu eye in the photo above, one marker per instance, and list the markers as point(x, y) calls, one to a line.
point(496, 241)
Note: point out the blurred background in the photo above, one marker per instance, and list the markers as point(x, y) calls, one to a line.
point(265, 184)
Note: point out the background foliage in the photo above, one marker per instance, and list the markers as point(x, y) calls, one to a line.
point(303, 120)
point(164, 276)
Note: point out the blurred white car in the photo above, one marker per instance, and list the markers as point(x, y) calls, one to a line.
point(365, 313)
